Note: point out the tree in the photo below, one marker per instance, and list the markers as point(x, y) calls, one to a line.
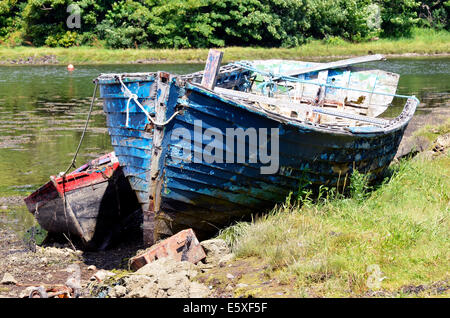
point(399, 17)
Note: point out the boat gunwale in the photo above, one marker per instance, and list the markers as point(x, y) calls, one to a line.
point(394, 124)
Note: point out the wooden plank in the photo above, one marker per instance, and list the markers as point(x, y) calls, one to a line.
point(212, 69)
point(183, 246)
point(149, 222)
point(336, 64)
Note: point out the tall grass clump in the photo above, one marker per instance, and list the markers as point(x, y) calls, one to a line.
point(374, 238)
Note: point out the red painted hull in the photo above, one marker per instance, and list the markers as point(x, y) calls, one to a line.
point(91, 203)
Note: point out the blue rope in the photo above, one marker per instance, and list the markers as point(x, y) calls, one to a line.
point(295, 79)
point(268, 88)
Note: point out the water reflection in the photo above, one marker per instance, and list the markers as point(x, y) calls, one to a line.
point(42, 115)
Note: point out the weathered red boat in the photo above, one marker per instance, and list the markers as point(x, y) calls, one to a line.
point(94, 202)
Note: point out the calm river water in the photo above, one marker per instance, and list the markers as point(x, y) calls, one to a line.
point(43, 110)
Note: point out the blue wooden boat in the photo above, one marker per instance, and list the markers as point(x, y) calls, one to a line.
point(322, 135)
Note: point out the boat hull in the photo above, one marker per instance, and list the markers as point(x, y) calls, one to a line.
point(207, 196)
point(89, 205)
point(176, 192)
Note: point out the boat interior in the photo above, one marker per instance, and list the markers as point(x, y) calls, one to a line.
point(345, 96)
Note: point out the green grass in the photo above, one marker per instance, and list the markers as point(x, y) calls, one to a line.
point(422, 42)
point(431, 132)
point(343, 246)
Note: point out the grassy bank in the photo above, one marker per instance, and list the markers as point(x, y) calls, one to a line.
point(392, 240)
point(423, 42)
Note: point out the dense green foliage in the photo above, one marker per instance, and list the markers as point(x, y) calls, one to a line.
point(213, 23)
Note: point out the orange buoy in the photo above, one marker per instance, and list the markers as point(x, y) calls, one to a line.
point(70, 67)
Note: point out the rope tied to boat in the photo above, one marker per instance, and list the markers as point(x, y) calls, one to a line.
point(72, 164)
point(131, 96)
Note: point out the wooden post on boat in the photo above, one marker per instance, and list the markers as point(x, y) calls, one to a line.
point(212, 69)
point(154, 223)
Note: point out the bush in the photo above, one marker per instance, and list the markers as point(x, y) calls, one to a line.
point(10, 19)
point(399, 17)
point(434, 14)
point(125, 25)
point(345, 18)
point(215, 23)
point(45, 18)
point(206, 23)
point(67, 39)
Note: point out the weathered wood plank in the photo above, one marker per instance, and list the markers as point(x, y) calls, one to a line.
point(336, 64)
point(212, 69)
point(297, 106)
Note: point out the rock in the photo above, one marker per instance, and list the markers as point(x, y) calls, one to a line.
point(166, 281)
point(53, 251)
point(162, 278)
point(92, 268)
point(135, 282)
point(172, 281)
point(225, 259)
point(441, 143)
point(197, 290)
point(151, 269)
point(117, 292)
point(230, 276)
point(120, 290)
point(26, 292)
point(101, 275)
point(205, 267)
point(8, 279)
point(215, 250)
point(180, 289)
point(161, 294)
point(411, 146)
point(241, 285)
point(148, 290)
point(169, 266)
point(60, 252)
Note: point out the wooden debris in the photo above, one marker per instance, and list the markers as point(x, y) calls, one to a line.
point(183, 246)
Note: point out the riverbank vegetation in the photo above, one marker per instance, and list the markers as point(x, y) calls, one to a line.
point(212, 23)
point(421, 42)
point(179, 31)
point(386, 240)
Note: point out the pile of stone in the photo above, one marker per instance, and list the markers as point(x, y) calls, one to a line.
point(167, 277)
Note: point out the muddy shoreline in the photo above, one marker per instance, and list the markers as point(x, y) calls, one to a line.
point(48, 265)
